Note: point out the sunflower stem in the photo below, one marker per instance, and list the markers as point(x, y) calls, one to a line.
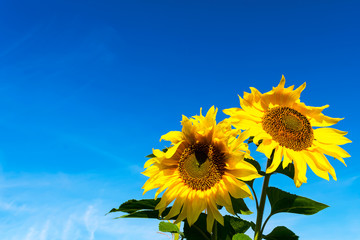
point(260, 210)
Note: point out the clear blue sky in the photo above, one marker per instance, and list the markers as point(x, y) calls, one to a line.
point(88, 87)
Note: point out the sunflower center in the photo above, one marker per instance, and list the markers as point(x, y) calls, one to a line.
point(201, 166)
point(292, 123)
point(288, 127)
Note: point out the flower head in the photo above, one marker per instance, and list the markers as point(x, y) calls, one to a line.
point(202, 168)
point(286, 126)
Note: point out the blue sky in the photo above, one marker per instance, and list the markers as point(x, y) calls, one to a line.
point(88, 87)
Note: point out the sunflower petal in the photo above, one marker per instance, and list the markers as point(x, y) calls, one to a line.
point(212, 208)
point(314, 167)
point(331, 136)
point(276, 160)
point(236, 188)
point(172, 150)
point(300, 168)
point(198, 205)
point(173, 136)
point(333, 150)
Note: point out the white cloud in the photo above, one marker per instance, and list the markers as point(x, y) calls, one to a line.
point(44, 231)
point(91, 223)
point(61, 210)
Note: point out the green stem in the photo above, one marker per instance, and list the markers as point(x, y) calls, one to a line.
point(260, 210)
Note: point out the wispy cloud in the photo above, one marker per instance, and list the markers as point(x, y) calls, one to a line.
point(53, 212)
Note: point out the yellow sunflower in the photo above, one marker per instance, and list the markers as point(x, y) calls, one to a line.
point(286, 125)
point(202, 167)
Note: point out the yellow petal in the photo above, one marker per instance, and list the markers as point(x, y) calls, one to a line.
point(175, 209)
point(287, 159)
point(243, 136)
point(282, 96)
point(295, 95)
point(237, 189)
point(242, 123)
point(260, 135)
point(244, 172)
point(150, 162)
point(187, 129)
point(314, 167)
point(210, 117)
point(300, 168)
point(169, 195)
point(212, 208)
point(158, 153)
point(276, 160)
point(183, 212)
point(197, 206)
point(248, 108)
point(331, 136)
point(232, 111)
point(321, 163)
point(151, 171)
point(323, 121)
point(267, 147)
point(170, 182)
point(316, 118)
point(332, 150)
point(171, 150)
point(209, 221)
point(223, 198)
point(173, 136)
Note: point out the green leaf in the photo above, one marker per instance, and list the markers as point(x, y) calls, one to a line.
point(252, 225)
point(232, 225)
point(147, 214)
point(168, 227)
point(241, 236)
point(142, 214)
point(239, 206)
point(197, 230)
point(281, 233)
point(288, 171)
point(281, 201)
point(133, 205)
point(237, 225)
point(144, 208)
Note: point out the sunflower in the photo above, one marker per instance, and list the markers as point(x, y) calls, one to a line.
point(286, 125)
point(202, 168)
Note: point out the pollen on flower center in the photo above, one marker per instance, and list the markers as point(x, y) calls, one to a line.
point(288, 127)
point(291, 122)
point(201, 166)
